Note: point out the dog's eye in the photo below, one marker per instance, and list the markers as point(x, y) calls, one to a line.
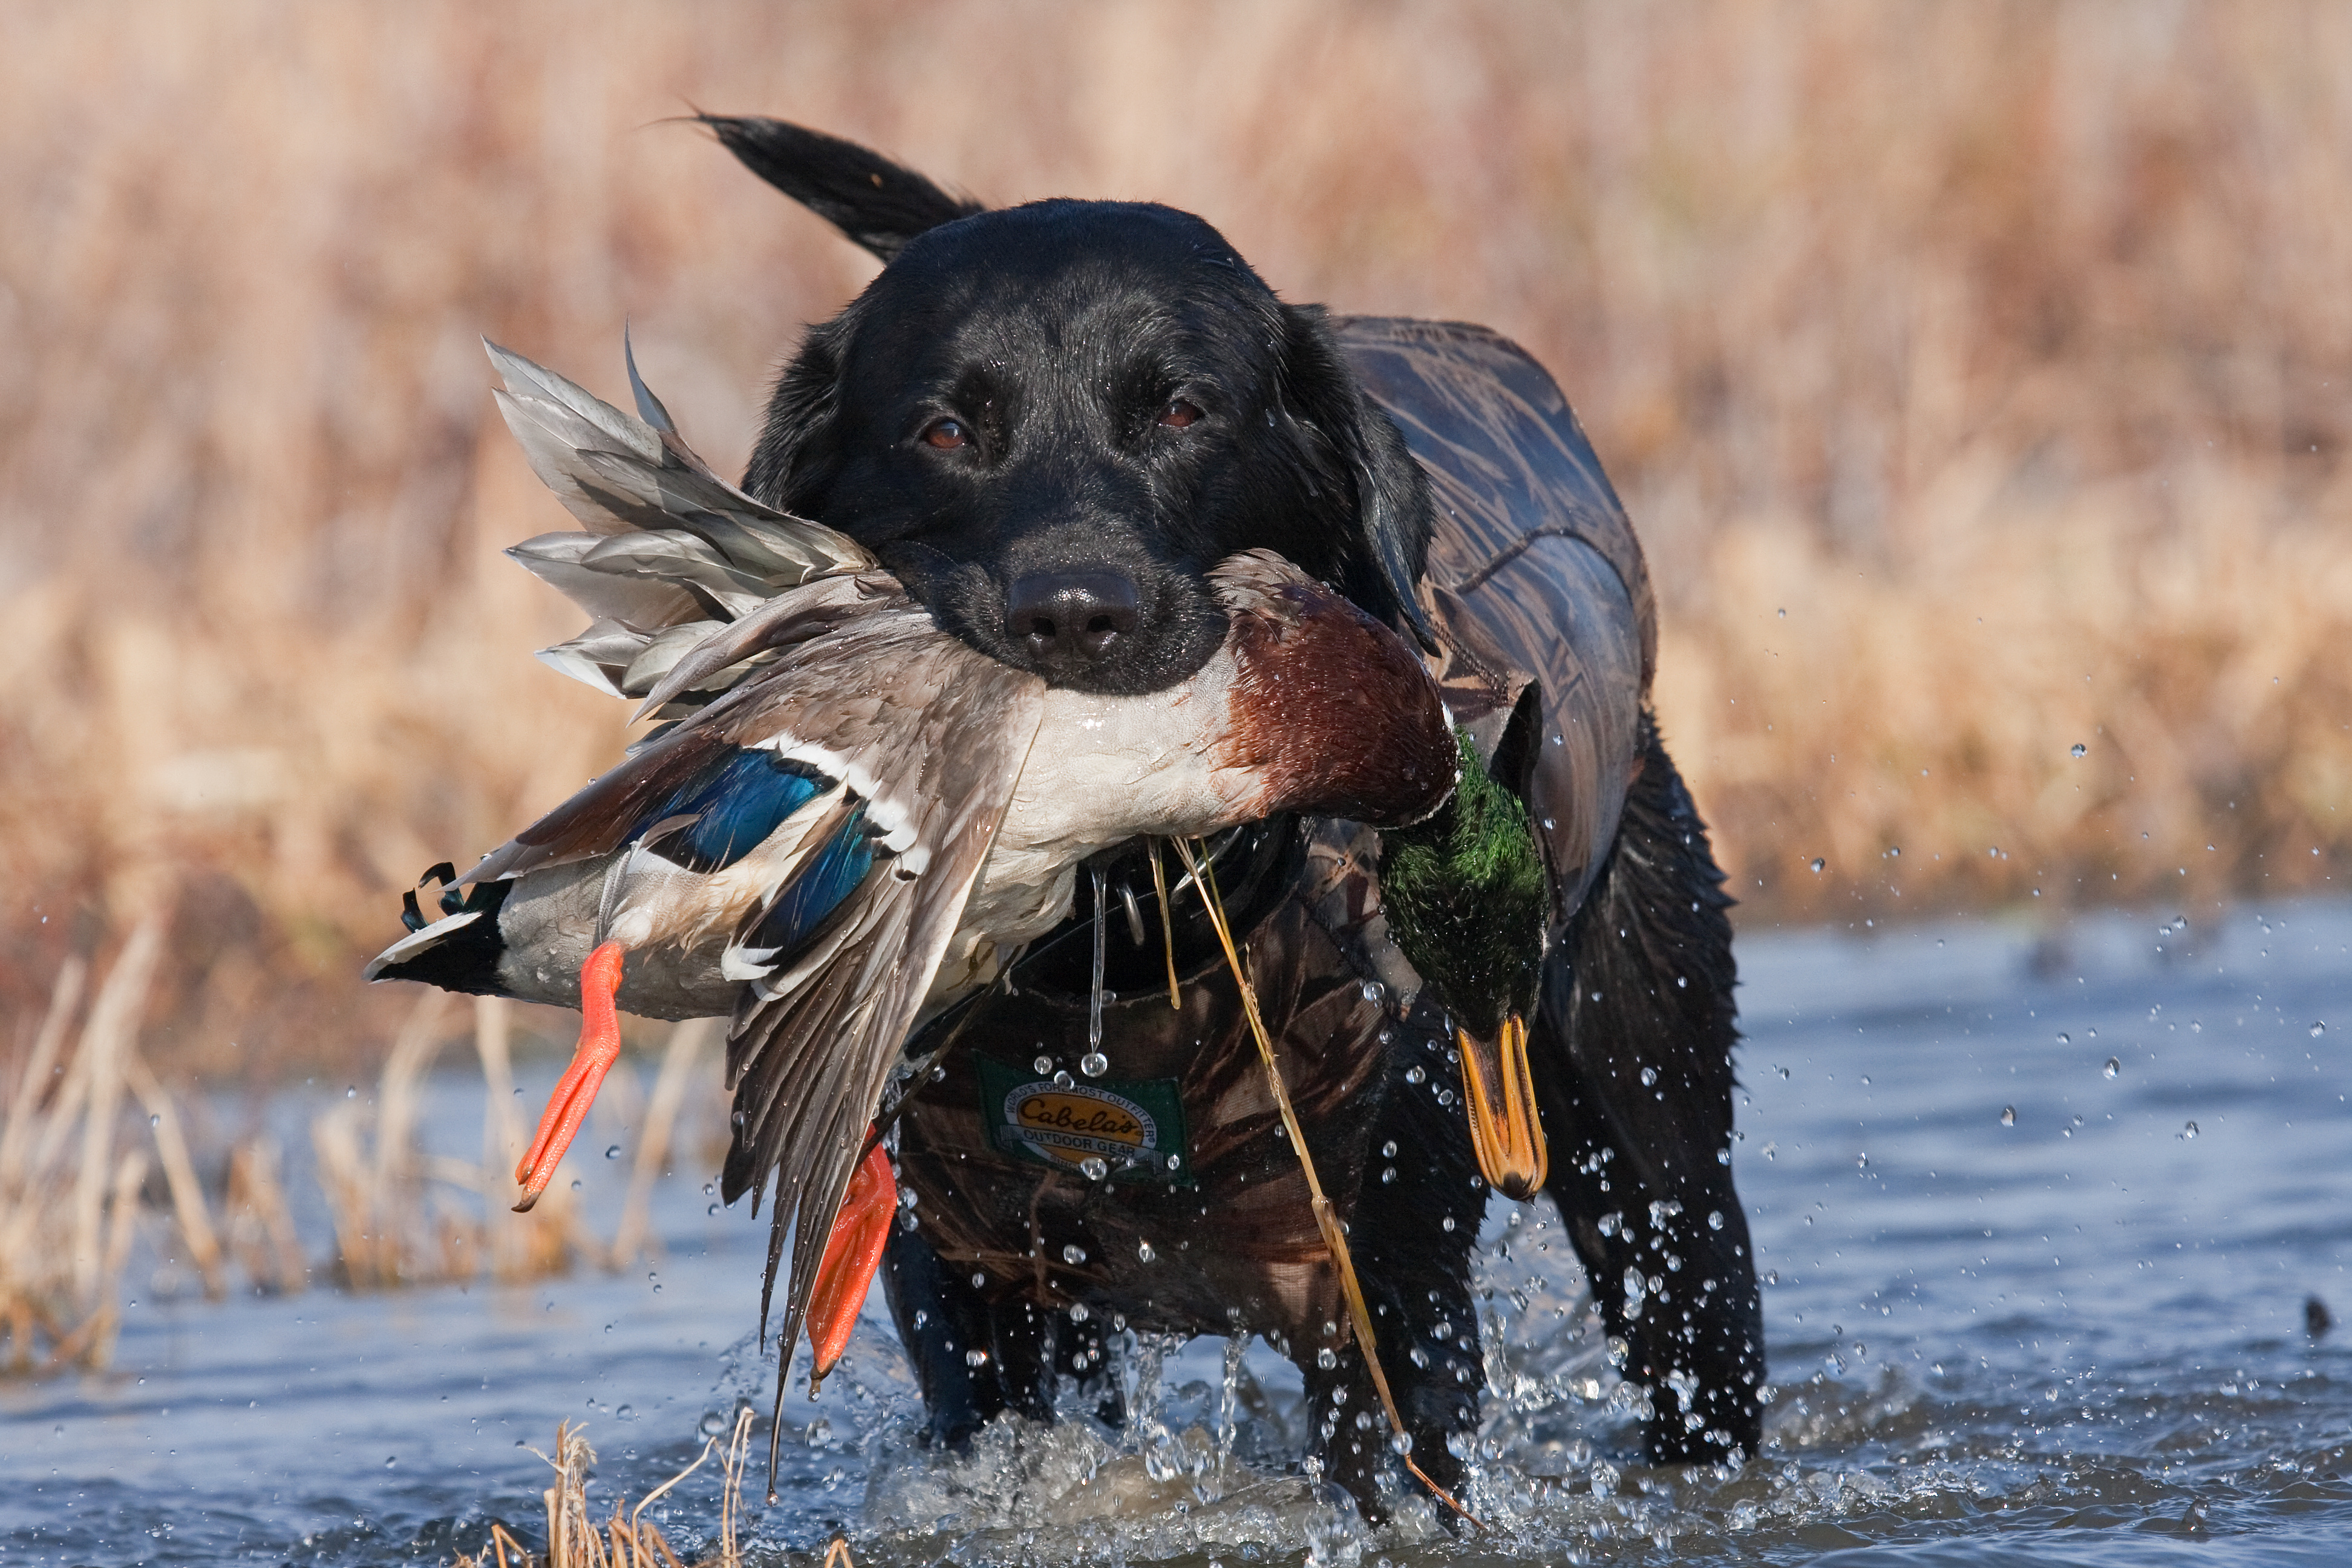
point(946, 434)
point(1180, 411)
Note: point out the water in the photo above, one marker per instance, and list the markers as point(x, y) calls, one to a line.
point(2078, 1338)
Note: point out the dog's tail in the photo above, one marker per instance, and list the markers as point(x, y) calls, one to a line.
point(877, 203)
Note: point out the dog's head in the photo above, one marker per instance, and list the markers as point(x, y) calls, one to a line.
point(1050, 420)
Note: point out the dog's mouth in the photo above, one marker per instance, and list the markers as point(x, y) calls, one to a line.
point(1096, 627)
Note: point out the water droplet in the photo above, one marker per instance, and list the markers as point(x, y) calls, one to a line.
point(2077, 749)
point(2009, 1116)
point(2319, 1028)
point(1078, 1313)
point(626, 1412)
point(155, 1120)
point(1818, 865)
point(1388, 1149)
point(711, 1425)
point(1073, 1254)
point(1174, 1161)
point(711, 1189)
point(975, 1358)
point(1326, 1358)
point(1388, 1174)
point(2115, 1065)
point(1094, 1064)
point(391, 1461)
point(713, 1209)
point(1449, 1221)
point(1414, 1075)
point(613, 1153)
point(575, 1184)
point(1095, 1167)
point(977, 1279)
point(1649, 1076)
point(351, 1093)
point(1042, 1066)
point(1143, 1252)
point(1063, 1079)
point(1375, 993)
point(2065, 1038)
point(2189, 1132)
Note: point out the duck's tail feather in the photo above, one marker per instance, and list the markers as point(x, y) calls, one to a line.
point(668, 544)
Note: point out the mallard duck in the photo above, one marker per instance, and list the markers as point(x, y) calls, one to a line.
point(848, 819)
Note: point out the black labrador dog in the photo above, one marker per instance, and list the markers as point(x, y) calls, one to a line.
point(1050, 421)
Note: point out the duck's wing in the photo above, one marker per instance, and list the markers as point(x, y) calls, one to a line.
point(930, 738)
point(671, 553)
point(903, 747)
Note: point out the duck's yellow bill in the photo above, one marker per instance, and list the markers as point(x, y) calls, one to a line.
point(1508, 1135)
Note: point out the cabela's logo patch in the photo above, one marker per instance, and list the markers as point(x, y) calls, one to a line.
point(1135, 1127)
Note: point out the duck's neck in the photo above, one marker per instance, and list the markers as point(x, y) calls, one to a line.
point(1464, 895)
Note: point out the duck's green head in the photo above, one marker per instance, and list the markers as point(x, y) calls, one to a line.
point(1467, 900)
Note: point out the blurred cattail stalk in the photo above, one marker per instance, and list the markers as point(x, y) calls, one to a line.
point(67, 1224)
point(387, 1233)
point(390, 1231)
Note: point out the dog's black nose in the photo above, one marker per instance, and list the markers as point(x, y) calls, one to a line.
point(1072, 619)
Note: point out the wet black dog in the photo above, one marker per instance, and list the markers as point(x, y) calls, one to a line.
point(1049, 422)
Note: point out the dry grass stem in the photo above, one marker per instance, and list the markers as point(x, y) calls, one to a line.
point(187, 1194)
point(1335, 1234)
point(67, 1218)
point(628, 1540)
point(390, 1229)
point(260, 1227)
point(682, 1059)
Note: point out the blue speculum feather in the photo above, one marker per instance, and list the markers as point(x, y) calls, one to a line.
point(736, 804)
point(828, 877)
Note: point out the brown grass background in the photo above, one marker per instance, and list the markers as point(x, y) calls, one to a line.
point(1975, 371)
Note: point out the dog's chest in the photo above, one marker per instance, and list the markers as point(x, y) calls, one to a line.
point(1165, 1188)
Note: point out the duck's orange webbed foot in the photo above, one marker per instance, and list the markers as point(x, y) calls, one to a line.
point(575, 1091)
point(851, 1254)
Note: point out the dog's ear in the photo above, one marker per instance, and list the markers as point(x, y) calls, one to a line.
point(877, 203)
point(799, 452)
point(1388, 549)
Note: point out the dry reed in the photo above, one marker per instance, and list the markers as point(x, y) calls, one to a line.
point(68, 1216)
point(629, 1539)
point(1893, 318)
point(393, 1223)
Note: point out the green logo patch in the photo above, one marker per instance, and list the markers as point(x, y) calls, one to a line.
point(1135, 1126)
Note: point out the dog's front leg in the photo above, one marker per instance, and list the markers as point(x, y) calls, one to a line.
point(1411, 1234)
